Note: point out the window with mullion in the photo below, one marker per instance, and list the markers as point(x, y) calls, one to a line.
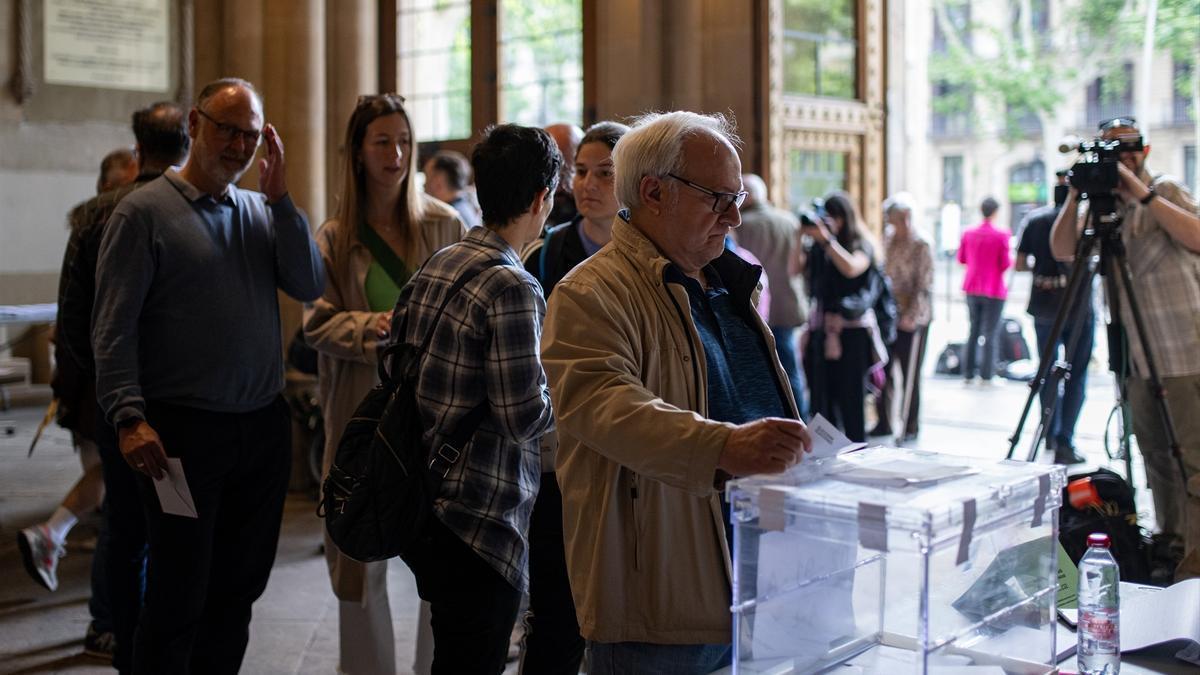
point(820, 48)
point(433, 69)
point(541, 61)
point(455, 58)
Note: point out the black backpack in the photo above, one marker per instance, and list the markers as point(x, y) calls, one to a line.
point(379, 493)
point(950, 360)
point(1115, 516)
point(875, 295)
point(887, 312)
point(1012, 344)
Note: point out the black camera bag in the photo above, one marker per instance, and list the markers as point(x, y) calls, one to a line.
point(1116, 516)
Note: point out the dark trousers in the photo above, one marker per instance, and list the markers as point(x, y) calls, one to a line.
point(1068, 399)
point(985, 316)
point(206, 572)
point(552, 641)
point(901, 352)
point(124, 552)
point(473, 608)
point(785, 348)
point(838, 387)
point(100, 605)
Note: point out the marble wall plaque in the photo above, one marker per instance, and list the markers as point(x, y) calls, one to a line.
point(109, 44)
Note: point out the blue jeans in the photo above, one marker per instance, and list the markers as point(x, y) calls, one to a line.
point(643, 658)
point(985, 316)
point(785, 348)
point(1067, 399)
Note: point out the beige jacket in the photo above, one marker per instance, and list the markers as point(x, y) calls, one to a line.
point(645, 542)
point(341, 327)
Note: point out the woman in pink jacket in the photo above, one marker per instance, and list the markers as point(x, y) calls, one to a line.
point(985, 251)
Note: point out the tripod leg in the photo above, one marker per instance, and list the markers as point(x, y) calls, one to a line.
point(1081, 270)
point(1121, 264)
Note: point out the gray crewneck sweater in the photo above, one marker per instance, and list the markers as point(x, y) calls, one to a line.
point(186, 307)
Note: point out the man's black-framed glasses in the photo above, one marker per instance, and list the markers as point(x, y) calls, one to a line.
point(228, 132)
point(721, 200)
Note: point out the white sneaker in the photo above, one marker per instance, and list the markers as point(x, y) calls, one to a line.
point(40, 555)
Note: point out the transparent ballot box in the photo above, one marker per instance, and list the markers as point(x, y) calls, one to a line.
point(889, 560)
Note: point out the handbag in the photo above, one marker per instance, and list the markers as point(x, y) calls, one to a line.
point(876, 294)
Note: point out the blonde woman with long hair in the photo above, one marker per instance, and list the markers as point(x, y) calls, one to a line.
point(385, 228)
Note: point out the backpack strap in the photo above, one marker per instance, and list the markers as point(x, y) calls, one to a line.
point(451, 449)
point(393, 349)
point(392, 264)
point(542, 259)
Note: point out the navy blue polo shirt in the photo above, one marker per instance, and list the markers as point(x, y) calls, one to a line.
point(742, 383)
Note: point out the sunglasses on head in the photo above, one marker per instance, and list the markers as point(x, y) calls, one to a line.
point(371, 98)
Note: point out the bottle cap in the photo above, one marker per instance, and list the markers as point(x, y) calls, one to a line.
point(1098, 539)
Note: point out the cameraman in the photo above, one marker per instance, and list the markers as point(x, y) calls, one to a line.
point(1161, 234)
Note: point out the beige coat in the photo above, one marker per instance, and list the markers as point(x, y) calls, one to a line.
point(341, 327)
point(645, 543)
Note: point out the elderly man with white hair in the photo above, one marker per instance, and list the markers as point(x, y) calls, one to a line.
point(665, 384)
point(909, 264)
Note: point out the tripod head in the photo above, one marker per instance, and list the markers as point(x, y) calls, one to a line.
point(1103, 226)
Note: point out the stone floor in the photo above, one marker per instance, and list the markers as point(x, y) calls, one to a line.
point(295, 623)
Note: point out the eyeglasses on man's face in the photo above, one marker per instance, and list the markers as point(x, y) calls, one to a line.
point(721, 200)
point(228, 132)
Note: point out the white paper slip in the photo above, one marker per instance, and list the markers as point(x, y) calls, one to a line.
point(827, 440)
point(898, 474)
point(174, 495)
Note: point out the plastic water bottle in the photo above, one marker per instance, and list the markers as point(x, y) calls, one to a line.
point(1099, 630)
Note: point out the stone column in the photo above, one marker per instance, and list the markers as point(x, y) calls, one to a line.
point(209, 42)
point(293, 88)
point(683, 67)
point(352, 69)
point(244, 40)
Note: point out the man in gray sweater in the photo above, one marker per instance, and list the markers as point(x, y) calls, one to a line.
point(189, 367)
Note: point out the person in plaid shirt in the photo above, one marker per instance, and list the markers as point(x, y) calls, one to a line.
point(472, 564)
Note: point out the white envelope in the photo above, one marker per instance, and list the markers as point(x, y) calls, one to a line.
point(173, 493)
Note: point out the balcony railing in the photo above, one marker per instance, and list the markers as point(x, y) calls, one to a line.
point(1179, 111)
point(1098, 111)
point(1027, 124)
point(954, 125)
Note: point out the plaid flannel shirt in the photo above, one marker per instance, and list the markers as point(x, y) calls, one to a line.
point(485, 347)
point(1166, 279)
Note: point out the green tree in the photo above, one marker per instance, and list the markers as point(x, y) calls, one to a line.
point(541, 58)
point(1014, 69)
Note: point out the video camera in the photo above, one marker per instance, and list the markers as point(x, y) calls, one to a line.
point(1095, 174)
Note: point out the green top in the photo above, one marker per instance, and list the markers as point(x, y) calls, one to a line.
point(381, 290)
point(387, 274)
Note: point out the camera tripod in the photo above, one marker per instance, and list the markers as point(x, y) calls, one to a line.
point(1103, 229)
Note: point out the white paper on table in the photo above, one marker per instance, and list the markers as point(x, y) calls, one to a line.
point(1149, 618)
point(827, 440)
point(174, 495)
